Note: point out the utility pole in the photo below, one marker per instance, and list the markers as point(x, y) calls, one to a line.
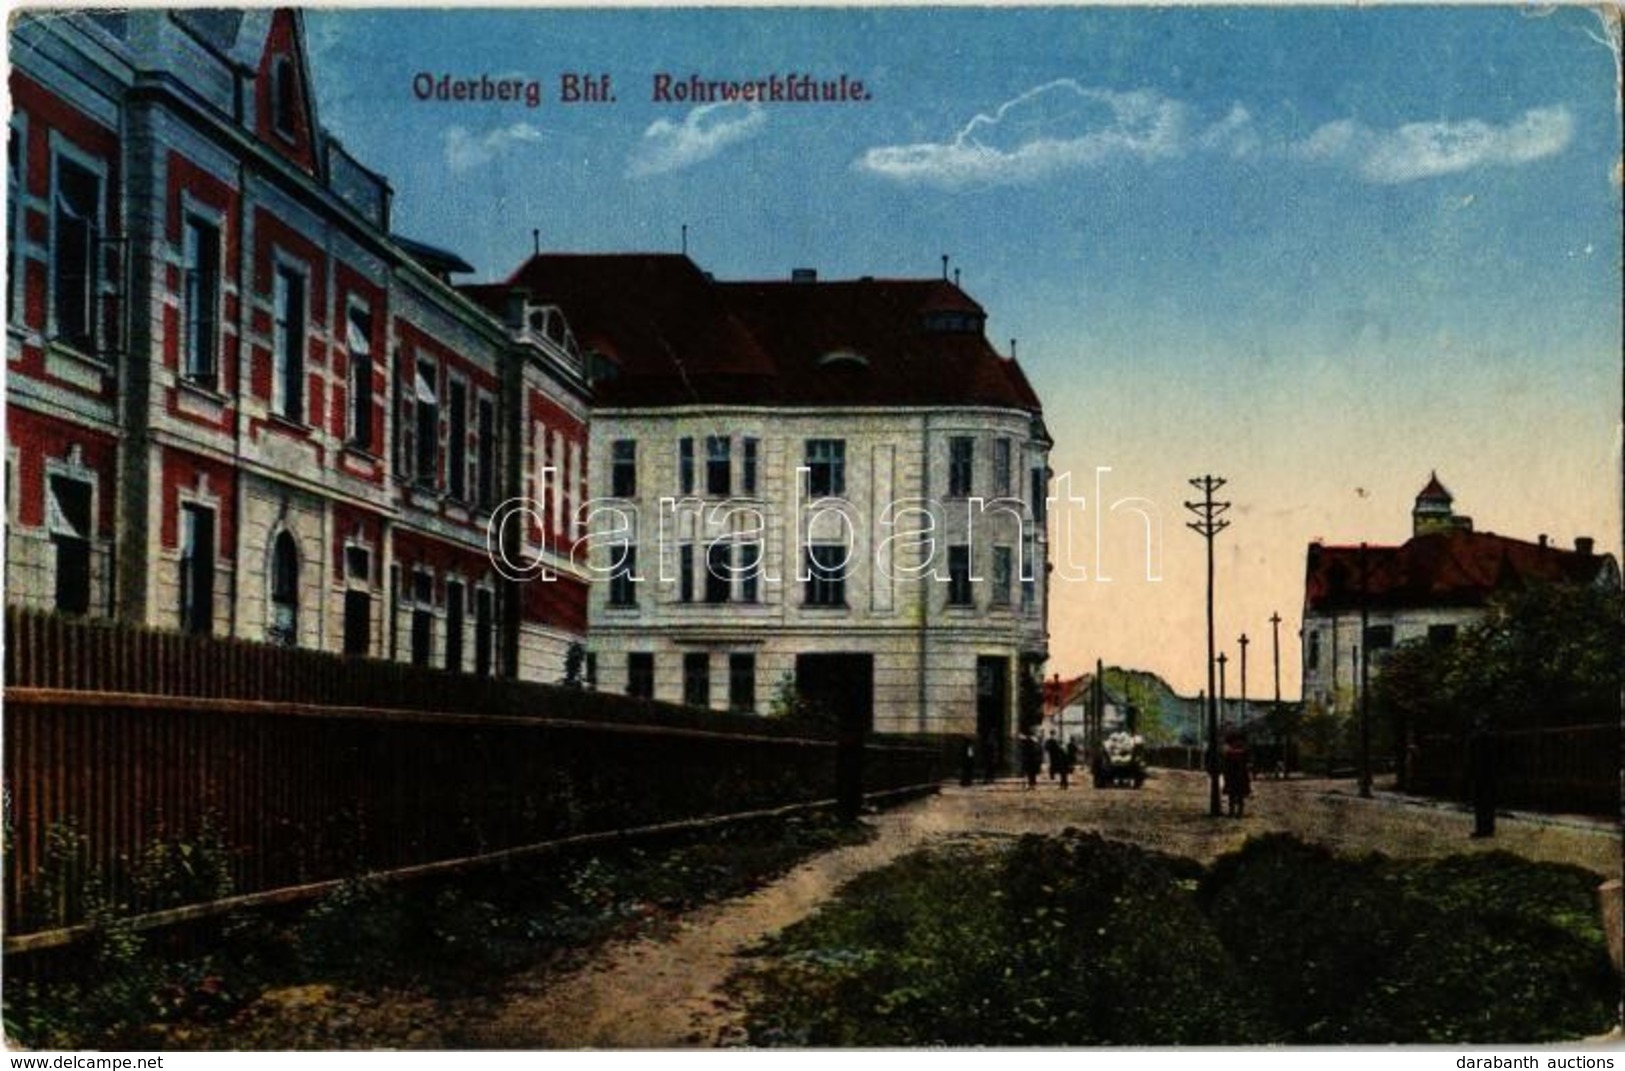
point(1243, 642)
point(1365, 677)
point(1280, 742)
point(1207, 525)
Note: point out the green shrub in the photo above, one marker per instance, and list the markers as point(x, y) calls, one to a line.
point(1069, 940)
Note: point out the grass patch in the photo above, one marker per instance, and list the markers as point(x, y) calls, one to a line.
point(322, 977)
point(1076, 940)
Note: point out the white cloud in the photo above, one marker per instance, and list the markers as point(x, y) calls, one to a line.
point(1427, 150)
point(704, 132)
point(1234, 135)
point(1058, 126)
point(466, 151)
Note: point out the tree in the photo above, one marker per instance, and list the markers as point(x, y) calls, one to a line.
point(1546, 656)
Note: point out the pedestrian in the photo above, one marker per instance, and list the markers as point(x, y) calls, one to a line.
point(1063, 760)
point(1237, 777)
point(967, 762)
point(1052, 751)
point(1032, 758)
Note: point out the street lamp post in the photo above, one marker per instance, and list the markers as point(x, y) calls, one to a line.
point(1224, 712)
point(1207, 525)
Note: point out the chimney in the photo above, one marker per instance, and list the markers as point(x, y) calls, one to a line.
point(803, 275)
point(1585, 545)
point(513, 309)
point(1543, 540)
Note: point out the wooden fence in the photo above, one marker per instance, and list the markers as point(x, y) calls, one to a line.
point(305, 784)
point(1574, 768)
point(44, 650)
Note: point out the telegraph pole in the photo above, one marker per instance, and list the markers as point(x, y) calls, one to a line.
point(1280, 742)
point(1365, 678)
point(1243, 642)
point(1207, 525)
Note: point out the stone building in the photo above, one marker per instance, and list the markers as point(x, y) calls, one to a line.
point(236, 403)
point(1430, 587)
point(827, 489)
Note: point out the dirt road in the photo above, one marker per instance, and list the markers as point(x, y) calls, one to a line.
point(667, 992)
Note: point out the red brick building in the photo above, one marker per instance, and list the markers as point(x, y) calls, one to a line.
point(235, 402)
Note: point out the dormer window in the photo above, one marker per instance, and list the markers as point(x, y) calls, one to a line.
point(283, 103)
point(954, 322)
point(843, 359)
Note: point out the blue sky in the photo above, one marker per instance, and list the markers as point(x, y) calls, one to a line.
point(1319, 251)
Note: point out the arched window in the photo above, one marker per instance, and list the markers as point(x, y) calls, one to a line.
point(285, 591)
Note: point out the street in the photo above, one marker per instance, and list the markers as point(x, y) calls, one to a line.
point(671, 991)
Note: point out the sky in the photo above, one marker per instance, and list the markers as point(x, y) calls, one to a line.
point(1321, 252)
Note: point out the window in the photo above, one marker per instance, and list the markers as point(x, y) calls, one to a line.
point(959, 593)
point(1001, 466)
point(422, 617)
point(284, 629)
point(640, 674)
point(1441, 635)
point(68, 516)
point(718, 572)
point(826, 574)
point(685, 466)
point(357, 623)
point(427, 425)
point(454, 626)
point(16, 169)
point(961, 455)
point(622, 586)
point(697, 679)
point(1314, 650)
point(201, 300)
point(283, 96)
point(1029, 574)
point(288, 377)
point(1379, 637)
point(826, 464)
point(717, 465)
point(685, 571)
point(75, 236)
point(484, 621)
point(1040, 495)
point(742, 682)
point(358, 340)
point(197, 569)
point(457, 443)
point(1000, 595)
point(485, 454)
point(357, 601)
point(751, 448)
point(623, 468)
point(358, 564)
point(750, 568)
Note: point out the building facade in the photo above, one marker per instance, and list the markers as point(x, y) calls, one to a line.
point(237, 404)
point(1429, 588)
point(833, 491)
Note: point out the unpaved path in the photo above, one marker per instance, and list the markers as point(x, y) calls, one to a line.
point(668, 991)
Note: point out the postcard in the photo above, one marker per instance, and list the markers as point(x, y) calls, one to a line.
point(1053, 527)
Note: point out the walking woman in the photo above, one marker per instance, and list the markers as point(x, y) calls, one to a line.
point(1238, 781)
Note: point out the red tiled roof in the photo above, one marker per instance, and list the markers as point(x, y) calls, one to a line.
point(679, 336)
point(1456, 568)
